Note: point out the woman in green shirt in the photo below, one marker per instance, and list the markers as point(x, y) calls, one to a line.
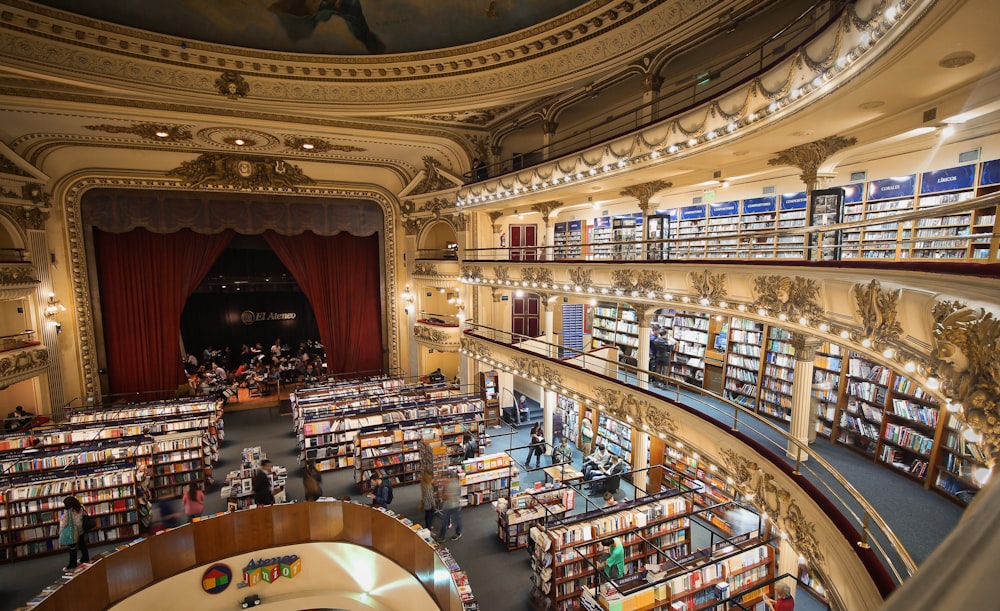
point(614, 566)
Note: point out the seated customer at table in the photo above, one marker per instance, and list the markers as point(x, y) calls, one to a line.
point(597, 460)
point(608, 478)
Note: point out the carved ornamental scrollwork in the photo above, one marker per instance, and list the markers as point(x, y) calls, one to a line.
point(433, 180)
point(877, 309)
point(242, 172)
point(27, 218)
point(14, 274)
point(435, 206)
point(149, 131)
point(537, 369)
point(796, 297)
point(581, 277)
point(232, 85)
point(317, 145)
point(496, 214)
point(545, 209)
point(502, 273)
point(537, 276)
point(707, 285)
point(423, 268)
point(412, 226)
point(472, 271)
point(810, 156)
point(627, 407)
point(475, 348)
point(965, 360)
point(759, 488)
point(22, 364)
point(645, 191)
point(430, 334)
point(632, 281)
point(460, 220)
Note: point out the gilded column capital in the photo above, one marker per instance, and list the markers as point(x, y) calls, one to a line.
point(808, 157)
point(644, 191)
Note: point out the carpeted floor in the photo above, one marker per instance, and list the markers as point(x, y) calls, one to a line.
point(501, 579)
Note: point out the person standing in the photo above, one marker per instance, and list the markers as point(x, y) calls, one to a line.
point(451, 505)
point(71, 532)
point(427, 502)
point(469, 446)
point(194, 502)
point(783, 600)
point(262, 493)
point(586, 436)
point(537, 446)
point(312, 481)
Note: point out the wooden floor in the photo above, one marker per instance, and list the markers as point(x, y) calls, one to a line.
point(245, 401)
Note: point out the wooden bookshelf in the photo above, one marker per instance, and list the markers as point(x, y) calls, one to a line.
point(828, 367)
point(776, 381)
point(690, 331)
point(567, 240)
point(519, 512)
point(488, 478)
point(864, 403)
point(616, 325)
point(616, 436)
point(743, 362)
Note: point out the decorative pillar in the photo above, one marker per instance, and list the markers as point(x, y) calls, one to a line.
point(803, 417)
point(548, 417)
point(640, 462)
point(550, 336)
point(497, 229)
point(788, 562)
point(808, 158)
point(651, 84)
point(548, 131)
point(644, 316)
point(548, 239)
point(37, 246)
point(644, 192)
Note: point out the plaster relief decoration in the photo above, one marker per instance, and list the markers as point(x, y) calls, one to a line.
point(408, 207)
point(546, 208)
point(318, 145)
point(644, 191)
point(636, 282)
point(423, 268)
point(472, 272)
point(474, 348)
point(460, 220)
point(149, 131)
point(759, 487)
point(533, 368)
point(240, 172)
point(232, 85)
point(430, 334)
point(412, 226)
point(13, 274)
point(796, 297)
point(877, 310)
point(9, 167)
point(502, 274)
point(707, 285)
point(581, 277)
point(434, 179)
point(435, 206)
point(627, 407)
point(537, 276)
point(471, 117)
point(493, 220)
point(964, 358)
point(17, 366)
point(810, 156)
point(27, 218)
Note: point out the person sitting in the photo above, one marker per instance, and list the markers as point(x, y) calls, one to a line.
point(598, 459)
point(563, 453)
point(609, 478)
point(19, 419)
point(436, 377)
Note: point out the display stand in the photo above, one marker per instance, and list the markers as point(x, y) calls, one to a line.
point(489, 393)
point(238, 489)
point(516, 515)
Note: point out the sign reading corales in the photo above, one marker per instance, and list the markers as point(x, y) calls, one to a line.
point(892, 188)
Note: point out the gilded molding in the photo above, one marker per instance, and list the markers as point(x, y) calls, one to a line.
point(318, 145)
point(707, 285)
point(810, 156)
point(581, 277)
point(964, 358)
point(644, 191)
point(636, 282)
point(17, 274)
point(877, 309)
point(628, 407)
point(759, 488)
point(430, 334)
point(476, 348)
point(71, 196)
point(546, 208)
point(412, 226)
point(537, 276)
point(433, 180)
point(537, 369)
point(434, 206)
point(232, 85)
point(27, 218)
point(23, 364)
point(423, 268)
point(502, 273)
point(472, 271)
point(494, 215)
point(796, 297)
point(248, 173)
point(149, 131)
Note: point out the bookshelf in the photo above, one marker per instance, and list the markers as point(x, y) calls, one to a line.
point(600, 238)
point(691, 337)
point(758, 215)
point(715, 574)
point(616, 325)
point(864, 404)
point(827, 368)
point(570, 412)
point(691, 225)
point(624, 230)
point(959, 463)
point(949, 236)
point(390, 450)
point(565, 550)
point(854, 209)
point(658, 228)
point(519, 512)
point(488, 478)
point(776, 382)
point(29, 514)
point(909, 427)
point(567, 240)
point(616, 437)
point(743, 362)
point(723, 219)
point(690, 472)
point(178, 460)
point(238, 487)
point(791, 214)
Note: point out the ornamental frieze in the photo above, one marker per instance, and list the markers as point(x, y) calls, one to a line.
point(502, 273)
point(15, 273)
point(423, 268)
point(759, 487)
point(627, 407)
point(430, 334)
point(475, 348)
point(240, 172)
point(632, 281)
point(21, 365)
point(581, 277)
point(472, 272)
point(537, 276)
point(796, 297)
point(149, 131)
point(531, 367)
point(707, 285)
point(877, 309)
point(27, 218)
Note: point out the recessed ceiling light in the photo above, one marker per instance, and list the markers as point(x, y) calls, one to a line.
point(162, 134)
point(308, 146)
point(239, 142)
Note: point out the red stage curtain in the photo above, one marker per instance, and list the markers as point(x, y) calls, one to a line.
point(340, 276)
point(145, 279)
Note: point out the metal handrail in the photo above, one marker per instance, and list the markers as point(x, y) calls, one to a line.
point(758, 243)
point(869, 519)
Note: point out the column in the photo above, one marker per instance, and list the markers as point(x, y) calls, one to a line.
point(548, 131)
point(37, 246)
point(549, 306)
point(640, 460)
point(644, 314)
point(803, 418)
point(501, 310)
point(505, 386)
point(548, 413)
point(651, 89)
point(788, 562)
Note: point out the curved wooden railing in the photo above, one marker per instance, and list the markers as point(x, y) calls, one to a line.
point(123, 573)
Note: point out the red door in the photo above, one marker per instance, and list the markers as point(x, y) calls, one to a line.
point(524, 315)
point(523, 235)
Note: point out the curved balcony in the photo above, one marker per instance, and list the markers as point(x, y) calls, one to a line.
point(17, 279)
point(825, 519)
point(438, 331)
point(24, 360)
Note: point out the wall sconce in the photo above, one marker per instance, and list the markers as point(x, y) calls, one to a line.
point(408, 298)
point(53, 306)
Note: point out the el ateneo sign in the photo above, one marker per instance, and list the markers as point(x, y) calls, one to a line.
point(249, 317)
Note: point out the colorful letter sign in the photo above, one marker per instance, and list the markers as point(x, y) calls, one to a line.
point(270, 570)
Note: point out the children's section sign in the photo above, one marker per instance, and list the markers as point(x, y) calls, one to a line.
point(216, 578)
point(270, 570)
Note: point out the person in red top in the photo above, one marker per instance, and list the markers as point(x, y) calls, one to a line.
point(783, 600)
point(194, 501)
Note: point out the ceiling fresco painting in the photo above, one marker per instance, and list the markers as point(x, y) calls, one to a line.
point(328, 27)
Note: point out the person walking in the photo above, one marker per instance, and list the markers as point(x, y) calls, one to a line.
point(427, 503)
point(312, 481)
point(452, 506)
point(193, 501)
point(71, 533)
point(537, 446)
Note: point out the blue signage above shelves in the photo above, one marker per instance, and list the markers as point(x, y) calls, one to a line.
point(693, 212)
point(991, 173)
point(793, 201)
point(892, 188)
point(602, 221)
point(951, 179)
point(758, 205)
point(854, 194)
point(725, 209)
point(575, 225)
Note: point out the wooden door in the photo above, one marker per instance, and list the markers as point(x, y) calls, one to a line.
point(521, 236)
point(524, 315)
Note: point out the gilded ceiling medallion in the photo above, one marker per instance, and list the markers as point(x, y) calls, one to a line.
point(228, 138)
point(149, 131)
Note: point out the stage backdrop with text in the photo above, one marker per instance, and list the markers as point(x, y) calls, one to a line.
point(234, 319)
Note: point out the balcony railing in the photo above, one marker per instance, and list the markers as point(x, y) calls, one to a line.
point(963, 232)
point(852, 504)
